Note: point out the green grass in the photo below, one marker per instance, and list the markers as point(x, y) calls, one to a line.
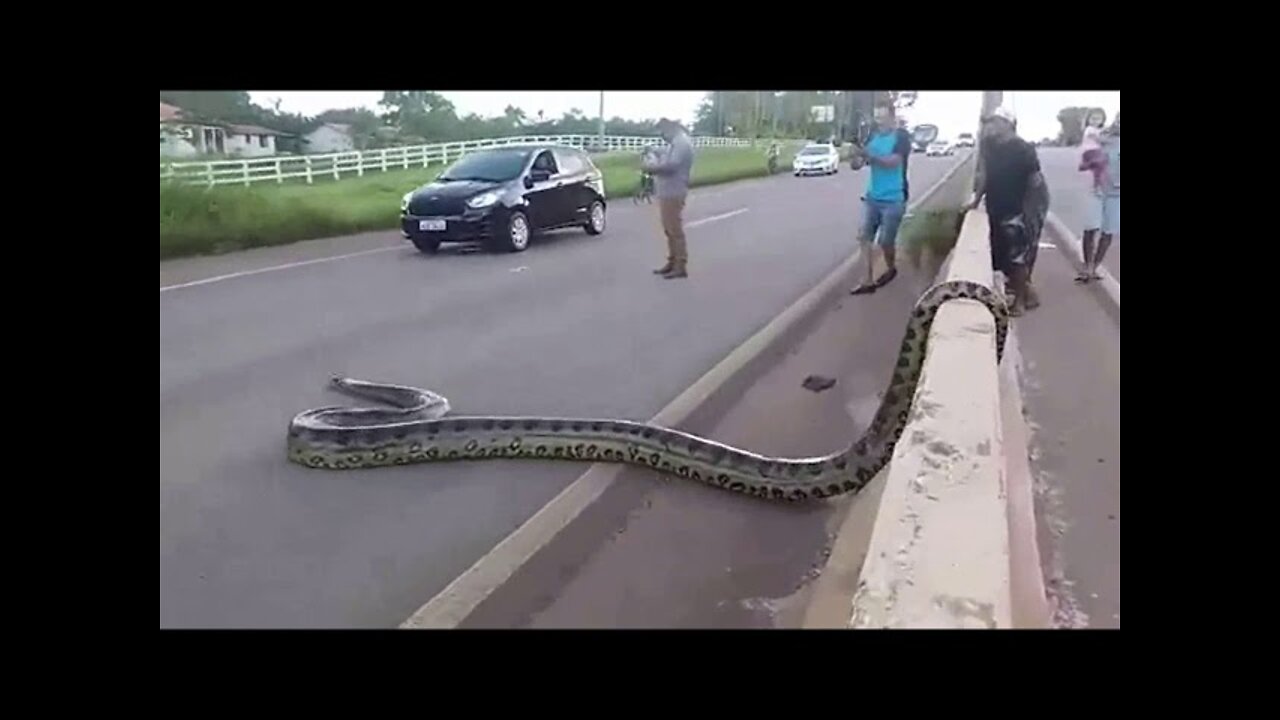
point(195, 220)
point(927, 237)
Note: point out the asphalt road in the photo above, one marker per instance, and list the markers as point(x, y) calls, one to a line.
point(1069, 196)
point(574, 326)
point(1070, 349)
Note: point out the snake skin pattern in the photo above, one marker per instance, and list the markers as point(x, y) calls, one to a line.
point(416, 430)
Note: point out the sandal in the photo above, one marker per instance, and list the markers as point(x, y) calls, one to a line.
point(887, 277)
point(863, 289)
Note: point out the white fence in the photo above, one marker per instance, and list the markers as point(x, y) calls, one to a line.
point(338, 165)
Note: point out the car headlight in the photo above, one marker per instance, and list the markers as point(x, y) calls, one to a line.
point(404, 202)
point(484, 200)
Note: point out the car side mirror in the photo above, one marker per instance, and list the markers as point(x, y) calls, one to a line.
point(538, 176)
point(528, 182)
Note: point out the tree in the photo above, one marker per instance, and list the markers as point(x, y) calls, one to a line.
point(902, 98)
point(1072, 121)
point(420, 113)
point(213, 105)
point(705, 122)
point(515, 116)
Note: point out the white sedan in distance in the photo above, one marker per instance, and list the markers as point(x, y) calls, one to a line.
point(940, 148)
point(817, 159)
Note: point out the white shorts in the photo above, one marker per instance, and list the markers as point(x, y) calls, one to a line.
point(1104, 214)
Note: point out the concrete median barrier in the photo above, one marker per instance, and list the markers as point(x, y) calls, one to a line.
point(953, 542)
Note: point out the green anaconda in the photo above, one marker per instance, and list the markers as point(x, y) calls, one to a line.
point(415, 429)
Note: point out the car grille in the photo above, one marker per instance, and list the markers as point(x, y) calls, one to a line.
point(429, 206)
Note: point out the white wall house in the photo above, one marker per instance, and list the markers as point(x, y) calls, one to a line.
point(183, 138)
point(329, 138)
point(250, 141)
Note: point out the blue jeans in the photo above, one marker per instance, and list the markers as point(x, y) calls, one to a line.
point(884, 217)
point(1104, 214)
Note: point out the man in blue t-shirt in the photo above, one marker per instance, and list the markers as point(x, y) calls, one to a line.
point(886, 152)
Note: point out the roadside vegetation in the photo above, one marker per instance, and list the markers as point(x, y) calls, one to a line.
point(196, 220)
point(927, 237)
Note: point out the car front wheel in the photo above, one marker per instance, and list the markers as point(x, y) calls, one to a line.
point(595, 218)
point(514, 236)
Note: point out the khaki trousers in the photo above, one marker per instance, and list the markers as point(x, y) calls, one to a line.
point(671, 210)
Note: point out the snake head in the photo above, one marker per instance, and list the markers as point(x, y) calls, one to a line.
point(338, 381)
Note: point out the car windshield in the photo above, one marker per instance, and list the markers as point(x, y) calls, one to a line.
point(924, 133)
point(816, 150)
point(490, 165)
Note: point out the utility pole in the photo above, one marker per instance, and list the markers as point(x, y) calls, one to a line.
point(759, 115)
point(601, 126)
point(991, 100)
point(719, 113)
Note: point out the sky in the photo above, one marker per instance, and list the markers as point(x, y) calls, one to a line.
point(952, 111)
point(629, 104)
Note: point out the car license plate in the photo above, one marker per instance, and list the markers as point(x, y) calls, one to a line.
point(432, 225)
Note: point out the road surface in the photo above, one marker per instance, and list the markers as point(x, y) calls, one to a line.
point(1070, 349)
point(575, 326)
point(1069, 195)
point(685, 555)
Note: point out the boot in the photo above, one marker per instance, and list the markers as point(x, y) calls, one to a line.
point(664, 269)
point(677, 270)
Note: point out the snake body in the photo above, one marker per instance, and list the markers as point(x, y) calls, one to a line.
point(416, 429)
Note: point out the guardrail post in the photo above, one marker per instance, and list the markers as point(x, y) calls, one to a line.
point(360, 164)
point(279, 173)
point(336, 171)
point(244, 171)
point(384, 159)
point(310, 180)
point(208, 168)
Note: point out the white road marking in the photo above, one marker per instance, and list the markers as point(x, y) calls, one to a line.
point(714, 218)
point(1047, 245)
point(316, 261)
point(522, 268)
point(273, 268)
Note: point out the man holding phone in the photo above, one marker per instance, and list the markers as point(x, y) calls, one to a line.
point(885, 203)
point(671, 175)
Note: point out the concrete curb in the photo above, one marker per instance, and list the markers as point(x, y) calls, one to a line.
point(1030, 603)
point(451, 606)
point(1070, 246)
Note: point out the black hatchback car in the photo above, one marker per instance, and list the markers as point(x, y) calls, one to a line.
point(502, 196)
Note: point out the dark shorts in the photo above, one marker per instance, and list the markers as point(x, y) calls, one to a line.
point(1016, 239)
point(1014, 242)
